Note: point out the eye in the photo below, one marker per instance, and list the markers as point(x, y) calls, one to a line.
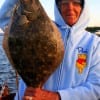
point(76, 3)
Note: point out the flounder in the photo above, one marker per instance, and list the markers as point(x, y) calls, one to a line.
point(33, 43)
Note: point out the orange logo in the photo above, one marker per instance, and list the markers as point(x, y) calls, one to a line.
point(81, 62)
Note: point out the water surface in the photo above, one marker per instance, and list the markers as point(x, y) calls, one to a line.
point(7, 73)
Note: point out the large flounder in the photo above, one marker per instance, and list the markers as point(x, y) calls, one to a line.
point(33, 44)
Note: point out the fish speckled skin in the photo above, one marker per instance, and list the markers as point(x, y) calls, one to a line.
point(35, 46)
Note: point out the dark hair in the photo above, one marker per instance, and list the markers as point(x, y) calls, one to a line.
point(82, 4)
point(57, 1)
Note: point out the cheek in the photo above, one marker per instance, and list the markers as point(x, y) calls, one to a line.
point(78, 12)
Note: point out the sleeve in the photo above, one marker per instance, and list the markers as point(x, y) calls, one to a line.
point(20, 91)
point(5, 12)
point(90, 89)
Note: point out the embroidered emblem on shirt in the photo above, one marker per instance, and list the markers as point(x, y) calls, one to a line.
point(81, 62)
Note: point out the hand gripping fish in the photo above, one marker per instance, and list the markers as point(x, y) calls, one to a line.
point(33, 43)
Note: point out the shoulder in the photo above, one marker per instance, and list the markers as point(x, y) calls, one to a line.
point(92, 40)
point(95, 38)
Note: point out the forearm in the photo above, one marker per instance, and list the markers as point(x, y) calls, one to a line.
point(86, 91)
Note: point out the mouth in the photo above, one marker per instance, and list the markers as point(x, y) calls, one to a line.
point(70, 16)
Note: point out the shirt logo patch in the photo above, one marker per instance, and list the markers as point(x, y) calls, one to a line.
point(81, 62)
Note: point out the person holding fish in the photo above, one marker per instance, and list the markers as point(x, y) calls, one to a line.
point(78, 75)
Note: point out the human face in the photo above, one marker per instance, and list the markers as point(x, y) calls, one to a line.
point(70, 10)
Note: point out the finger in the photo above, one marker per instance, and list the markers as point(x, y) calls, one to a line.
point(31, 89)
point(29, 93)
point(28, 98)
